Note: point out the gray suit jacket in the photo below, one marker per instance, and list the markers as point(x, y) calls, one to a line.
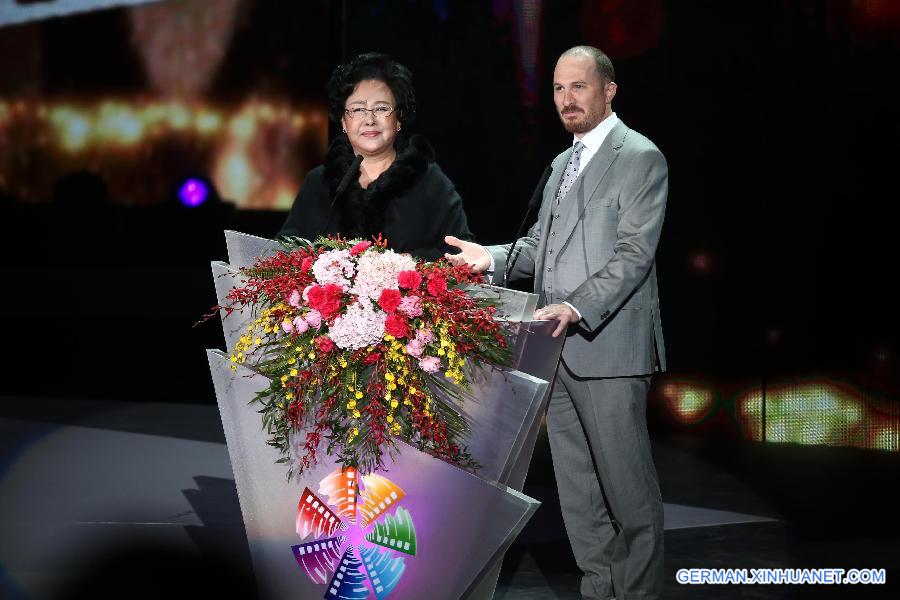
point(596, 250)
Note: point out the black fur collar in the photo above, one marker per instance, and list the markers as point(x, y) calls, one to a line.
point(362, 211)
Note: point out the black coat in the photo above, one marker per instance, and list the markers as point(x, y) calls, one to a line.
point(413, 204)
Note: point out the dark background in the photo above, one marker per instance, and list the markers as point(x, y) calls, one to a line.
point(778, 119)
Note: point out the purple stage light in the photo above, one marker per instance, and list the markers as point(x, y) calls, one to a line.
point(193, 193)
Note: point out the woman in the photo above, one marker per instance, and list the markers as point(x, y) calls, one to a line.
point(399, 191)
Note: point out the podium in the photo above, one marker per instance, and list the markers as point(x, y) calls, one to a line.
point(421, 527)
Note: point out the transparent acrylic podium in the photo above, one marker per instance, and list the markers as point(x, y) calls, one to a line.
point(423, 527)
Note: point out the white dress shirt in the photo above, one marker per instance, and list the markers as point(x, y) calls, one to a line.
point(593, 139)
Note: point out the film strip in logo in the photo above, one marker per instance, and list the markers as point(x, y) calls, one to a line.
point(365, 509)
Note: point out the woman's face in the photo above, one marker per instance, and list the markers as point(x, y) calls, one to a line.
point(371, 135)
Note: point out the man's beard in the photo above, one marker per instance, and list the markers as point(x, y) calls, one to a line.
point(587, 122)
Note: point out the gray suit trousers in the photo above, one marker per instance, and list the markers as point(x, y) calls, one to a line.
point(608, 488)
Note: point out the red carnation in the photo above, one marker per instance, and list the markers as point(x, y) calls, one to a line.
point(306, 265)
point(326, 300)
point(371, 357)
point(409, 280)
point(396, 326)
point(314, 296)
point(389, 300)
point(360, 248)
point(437, 284)
point(324, 344)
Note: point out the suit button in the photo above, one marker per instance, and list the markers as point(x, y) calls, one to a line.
point(551, 251)
point(549, 269)
point(552, 233)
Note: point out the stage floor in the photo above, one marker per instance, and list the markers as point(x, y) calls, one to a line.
point(92, 485)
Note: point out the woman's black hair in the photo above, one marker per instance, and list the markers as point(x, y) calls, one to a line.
point(377, 66)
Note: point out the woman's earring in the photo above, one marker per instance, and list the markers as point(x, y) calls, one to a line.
point(398, 128)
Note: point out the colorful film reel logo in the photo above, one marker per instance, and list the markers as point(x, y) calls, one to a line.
point(367, 557)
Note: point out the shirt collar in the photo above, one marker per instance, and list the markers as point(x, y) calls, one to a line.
point(593, 139)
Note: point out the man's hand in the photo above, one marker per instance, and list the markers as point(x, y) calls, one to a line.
point(561, 312)
point(471, 254)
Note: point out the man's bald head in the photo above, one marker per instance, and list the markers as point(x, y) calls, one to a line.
point(604, 66)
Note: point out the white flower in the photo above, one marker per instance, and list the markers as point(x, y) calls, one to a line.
point(334, 266)
point(377, 271)
point(360, 326)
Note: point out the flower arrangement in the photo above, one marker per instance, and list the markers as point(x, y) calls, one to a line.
point(364, 347)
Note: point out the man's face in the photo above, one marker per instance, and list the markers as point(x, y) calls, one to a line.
point(581, 98)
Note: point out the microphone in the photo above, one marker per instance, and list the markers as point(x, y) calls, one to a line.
point(352, 172)
point(532, 203)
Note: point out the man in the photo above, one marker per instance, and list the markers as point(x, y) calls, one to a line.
point(591, 254)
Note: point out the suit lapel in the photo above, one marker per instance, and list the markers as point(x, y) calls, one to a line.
point(588, 180)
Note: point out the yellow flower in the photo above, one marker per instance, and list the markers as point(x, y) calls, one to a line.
point(390, 418)
point(441, 351)
point(388, 337)
point(289, 396)
point(293, 372)
point(298, 349)
point(257, 341)
point(358, 395)
point(356, 414)
point(387, 395)
point(284, 378)
point(389, 376)
point(233, 358)
point(343, 363)
point(412, 390)
point(394, 404)
point(311, 355)
point(292, 360)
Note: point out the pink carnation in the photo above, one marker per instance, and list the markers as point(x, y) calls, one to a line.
point(287, 326)
point(424, 336)
point(294, 300)
point(430, 364)
point(411, 306)
point(300, 325)
point(415, 348)
point(314, 318)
